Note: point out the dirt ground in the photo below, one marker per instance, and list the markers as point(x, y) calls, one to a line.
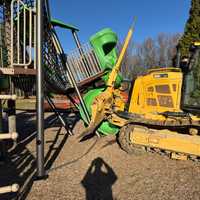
point(94, 169)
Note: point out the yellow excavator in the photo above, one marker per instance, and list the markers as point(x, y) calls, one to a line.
point(163, 113)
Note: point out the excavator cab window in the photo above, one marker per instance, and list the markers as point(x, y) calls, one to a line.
point(191, 81)
point(184, 65)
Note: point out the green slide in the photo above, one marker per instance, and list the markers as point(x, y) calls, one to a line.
point(105, 128)
point(104, 44)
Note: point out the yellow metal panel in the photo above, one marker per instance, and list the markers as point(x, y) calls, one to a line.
point(135, 102)
point(148, 97)
point(196, 43)
point(167, 140)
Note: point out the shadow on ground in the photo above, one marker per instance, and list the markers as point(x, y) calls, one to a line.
point(20, 164)
point(98, 180)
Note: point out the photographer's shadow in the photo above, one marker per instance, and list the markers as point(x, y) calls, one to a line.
point(98, 181)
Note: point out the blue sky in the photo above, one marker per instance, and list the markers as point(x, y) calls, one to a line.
point(90, 16)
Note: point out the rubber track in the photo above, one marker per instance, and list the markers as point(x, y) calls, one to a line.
point(131, 148)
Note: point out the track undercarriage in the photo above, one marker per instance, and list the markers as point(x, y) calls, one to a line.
point(177, 137)
point(181, 143)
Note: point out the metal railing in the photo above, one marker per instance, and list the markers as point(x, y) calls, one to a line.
point(83, 65)
point(82, 61)
point(22, 36)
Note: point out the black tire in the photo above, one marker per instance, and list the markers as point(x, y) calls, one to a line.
point(125, 142)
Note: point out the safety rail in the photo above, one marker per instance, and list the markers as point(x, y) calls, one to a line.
point(22, 37)
point(82, 61)
point(83, 65)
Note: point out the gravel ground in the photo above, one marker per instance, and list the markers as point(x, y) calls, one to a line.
point(94, 169)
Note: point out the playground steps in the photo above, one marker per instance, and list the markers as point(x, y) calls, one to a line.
point(8, 136)
point(11, 135)
point(11, 188)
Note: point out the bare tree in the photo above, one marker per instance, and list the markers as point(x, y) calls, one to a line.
point(146, 52)
point(152, 53)
point(166, 48)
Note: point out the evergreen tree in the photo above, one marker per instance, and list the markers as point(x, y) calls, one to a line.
point(192, 29)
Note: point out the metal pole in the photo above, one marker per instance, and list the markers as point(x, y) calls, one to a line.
point(71, 76)
point(40, 91)
point(11, 115)
point(53, 107)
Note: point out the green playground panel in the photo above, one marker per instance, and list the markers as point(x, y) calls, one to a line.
point(61, 24)
point(105, 128)
point(104, 43)
point(118, 80)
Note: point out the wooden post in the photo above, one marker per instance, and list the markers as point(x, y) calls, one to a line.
point(11, 116)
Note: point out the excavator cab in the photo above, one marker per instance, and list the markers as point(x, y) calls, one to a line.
point(191, 80)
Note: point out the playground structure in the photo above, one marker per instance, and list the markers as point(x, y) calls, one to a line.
point(31, 56)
